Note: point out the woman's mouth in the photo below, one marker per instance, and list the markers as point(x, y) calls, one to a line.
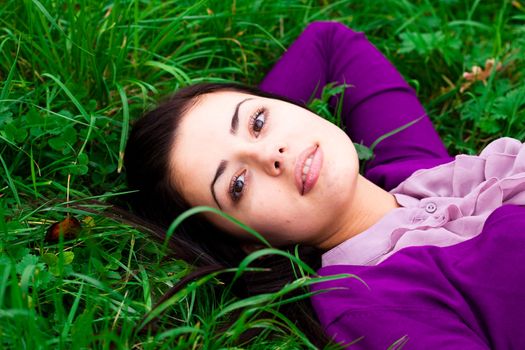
point(308, 168)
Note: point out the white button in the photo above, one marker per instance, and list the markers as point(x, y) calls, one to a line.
point(431, 207)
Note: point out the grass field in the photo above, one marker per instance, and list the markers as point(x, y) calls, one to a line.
point(73, 74)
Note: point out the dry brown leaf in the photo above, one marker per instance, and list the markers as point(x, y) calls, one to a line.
point(69, 228)
point(479, 74)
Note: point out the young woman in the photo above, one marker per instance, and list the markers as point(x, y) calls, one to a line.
point(439, 256)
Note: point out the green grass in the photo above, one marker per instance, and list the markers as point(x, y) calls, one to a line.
point(74, 73)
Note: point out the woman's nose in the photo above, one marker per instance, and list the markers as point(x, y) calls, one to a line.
point(269, 157)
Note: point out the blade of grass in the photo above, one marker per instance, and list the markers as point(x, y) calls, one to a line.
point(72, 97)
point(125, 126)
point(10, 182)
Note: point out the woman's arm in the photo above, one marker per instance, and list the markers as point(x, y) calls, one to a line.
point(377, 102)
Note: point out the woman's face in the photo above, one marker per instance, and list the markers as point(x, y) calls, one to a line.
point(277, 167)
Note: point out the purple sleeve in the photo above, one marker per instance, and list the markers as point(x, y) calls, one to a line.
point(377, 102)
point(465, 296)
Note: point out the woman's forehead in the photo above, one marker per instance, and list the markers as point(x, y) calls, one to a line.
point(210, 116)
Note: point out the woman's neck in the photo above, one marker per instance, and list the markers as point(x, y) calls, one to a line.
point(370, 203)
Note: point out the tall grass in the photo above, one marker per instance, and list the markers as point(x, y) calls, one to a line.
point(73, 74)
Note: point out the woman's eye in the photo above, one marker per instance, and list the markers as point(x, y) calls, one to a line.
point(257, 121)
point(237, 186)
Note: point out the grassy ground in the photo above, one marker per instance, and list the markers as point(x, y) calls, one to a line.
point(74, 73)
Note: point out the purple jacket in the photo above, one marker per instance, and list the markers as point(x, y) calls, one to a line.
point(467, 296)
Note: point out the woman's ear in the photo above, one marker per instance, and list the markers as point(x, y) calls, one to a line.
point(250, 247)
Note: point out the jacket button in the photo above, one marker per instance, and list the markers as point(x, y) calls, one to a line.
point(430, 207)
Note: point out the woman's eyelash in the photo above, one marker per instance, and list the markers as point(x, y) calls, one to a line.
point(257, 121)
point(237, 185)
point(238, 182)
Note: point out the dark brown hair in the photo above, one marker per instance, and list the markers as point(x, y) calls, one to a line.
point(196, 240)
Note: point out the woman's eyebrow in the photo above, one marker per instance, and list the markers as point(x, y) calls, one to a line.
point(235, 117)
point(220, 170)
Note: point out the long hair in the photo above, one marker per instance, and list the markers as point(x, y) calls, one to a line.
point(197, 241)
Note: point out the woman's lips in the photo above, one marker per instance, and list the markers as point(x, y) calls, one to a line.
point(307, 168)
